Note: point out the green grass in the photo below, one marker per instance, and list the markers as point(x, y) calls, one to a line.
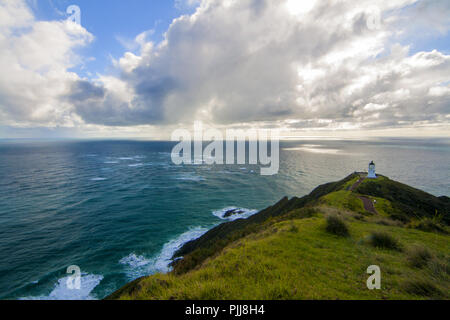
point(345, 200)
point(383, 206)
point(299, 259)
point(351, 182)
point(317, 247)
point(422, 287)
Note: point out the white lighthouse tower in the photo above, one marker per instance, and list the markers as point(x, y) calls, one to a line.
point(372, 174)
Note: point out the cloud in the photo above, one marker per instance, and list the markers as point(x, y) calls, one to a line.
point(249, 61)
point(430, 17)
point(35, 57)
point(329, 65)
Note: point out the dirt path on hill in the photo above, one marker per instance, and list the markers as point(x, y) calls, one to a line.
point(368, 203)
point(356, 185)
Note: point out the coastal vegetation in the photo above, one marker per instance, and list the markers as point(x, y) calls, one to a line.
point(337, 226)
point(317, 247)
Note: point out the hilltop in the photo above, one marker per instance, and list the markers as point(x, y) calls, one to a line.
point(318, 247)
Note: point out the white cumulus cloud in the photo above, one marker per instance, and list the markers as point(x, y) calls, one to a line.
point(35, 57)
point(328, 64)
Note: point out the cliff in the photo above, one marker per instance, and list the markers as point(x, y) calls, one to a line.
point(318, 247)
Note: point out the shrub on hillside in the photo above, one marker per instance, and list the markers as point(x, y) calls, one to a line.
point(337, 226)
point(422, 287)
point(429, 225)
point(440, 268)
point(389, 222)
point(419, 256)
point(384, 240)
point(293, 228)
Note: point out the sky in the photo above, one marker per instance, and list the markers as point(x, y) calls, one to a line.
point(143, 68)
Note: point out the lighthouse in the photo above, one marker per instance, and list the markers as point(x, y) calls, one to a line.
point(372, 174)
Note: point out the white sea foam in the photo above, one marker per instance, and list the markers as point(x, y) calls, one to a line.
point(190, 177)
point(138, 265)
point(169, 249)
point(136, 165)
point(135, 261)
point(98, 179)
point(246, 213)
point(128, 158)
point(62, 292)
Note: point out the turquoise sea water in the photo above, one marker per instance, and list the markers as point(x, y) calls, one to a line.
point(119, 209)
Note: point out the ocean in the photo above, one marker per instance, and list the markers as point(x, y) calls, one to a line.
point(119, 209)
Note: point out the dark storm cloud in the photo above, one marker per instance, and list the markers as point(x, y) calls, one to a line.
point(83, 91)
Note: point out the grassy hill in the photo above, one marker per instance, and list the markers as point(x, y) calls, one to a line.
point(318, 247)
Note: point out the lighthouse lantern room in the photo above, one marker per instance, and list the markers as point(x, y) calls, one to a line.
point(372, 174)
